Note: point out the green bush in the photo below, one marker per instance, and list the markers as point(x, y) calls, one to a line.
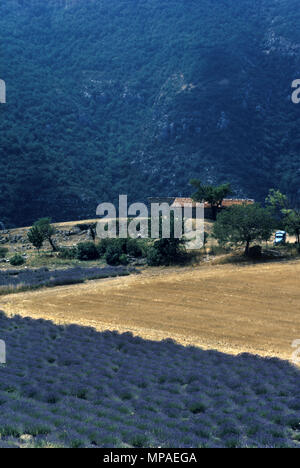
point(3, 252)
point(164, 252)
point(116, 243)
point(130, 247)
point(17, 260)
point(87, 251)
point(67, 253)
point(123, 259)
point(134, 249)
point(103, 246)
point(113, 255)
point(120, 244)
point(154, 257)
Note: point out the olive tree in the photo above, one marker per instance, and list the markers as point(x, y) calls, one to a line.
point(214, 195)
point(35, 237)
point(243, 224)
point(47, 231)
point(292, 223)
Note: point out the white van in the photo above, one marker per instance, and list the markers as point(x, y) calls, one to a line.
point(280, 238)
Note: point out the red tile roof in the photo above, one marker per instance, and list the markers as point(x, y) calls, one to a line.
point(227, 202)
point(237, 201)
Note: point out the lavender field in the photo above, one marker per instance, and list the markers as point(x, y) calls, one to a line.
point(34, 278)
point(71, 386)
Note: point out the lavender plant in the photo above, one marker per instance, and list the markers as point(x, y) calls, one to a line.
point(71, 386)
point(27, 278)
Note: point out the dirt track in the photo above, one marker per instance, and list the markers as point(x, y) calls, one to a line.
point(234, 309)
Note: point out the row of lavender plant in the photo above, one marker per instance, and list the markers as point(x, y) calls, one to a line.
point(46, 277)
point(75, 387)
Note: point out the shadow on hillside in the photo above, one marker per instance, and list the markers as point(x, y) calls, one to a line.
point(73, 386)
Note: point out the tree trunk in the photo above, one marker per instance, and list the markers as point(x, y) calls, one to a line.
point(247, 248)
point(54, 248)
point(214, 210)
point(93, 235)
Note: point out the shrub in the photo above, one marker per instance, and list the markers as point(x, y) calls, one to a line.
point(154, 257)
point(134, 249)
point(116, 250)
point(113, 254)
point(103, 246)
point(17, 260)
point(164, 252)
point(68, 253)
point(120, 244)
point(111, 249)
point(3, 252)
point(106, 243)
point(87, 251)
point(123, 259)
point(130, 247)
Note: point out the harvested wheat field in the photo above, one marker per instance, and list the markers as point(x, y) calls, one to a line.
point(233, 309)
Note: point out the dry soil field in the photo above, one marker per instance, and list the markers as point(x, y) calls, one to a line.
point(230, 308)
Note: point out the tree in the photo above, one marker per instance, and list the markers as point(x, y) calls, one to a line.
point(292, 223)
point(276, 199)
point(206, 237)
point(290, 218)
point(35, 237)
point(277, 202)
point(47, 231)
point(243, 224)
point(211, 194)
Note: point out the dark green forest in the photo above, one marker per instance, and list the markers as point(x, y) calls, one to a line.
point(109, 97)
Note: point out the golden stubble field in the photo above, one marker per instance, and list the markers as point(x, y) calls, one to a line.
point(231, 308)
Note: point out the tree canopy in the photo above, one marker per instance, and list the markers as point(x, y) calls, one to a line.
point(243, 224)
point(292, 223)
point(36, 237)
point(214, 195)
point(46, 231)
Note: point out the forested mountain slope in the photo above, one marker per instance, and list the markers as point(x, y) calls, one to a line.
point(109, 97)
